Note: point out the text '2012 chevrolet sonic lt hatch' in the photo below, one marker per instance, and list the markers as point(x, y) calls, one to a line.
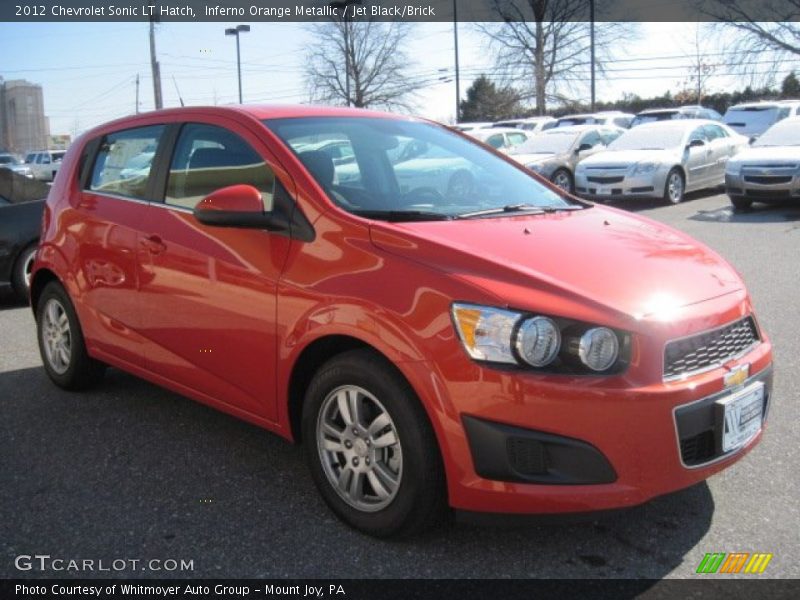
point(438, 325)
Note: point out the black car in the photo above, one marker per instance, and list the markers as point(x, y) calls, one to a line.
point(21, 206)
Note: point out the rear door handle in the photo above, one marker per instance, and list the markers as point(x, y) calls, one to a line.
point(153, 244)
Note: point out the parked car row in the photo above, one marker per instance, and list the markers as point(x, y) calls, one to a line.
point(750, 118)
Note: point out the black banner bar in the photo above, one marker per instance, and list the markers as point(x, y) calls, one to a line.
point(394, 10)
point(709, 587)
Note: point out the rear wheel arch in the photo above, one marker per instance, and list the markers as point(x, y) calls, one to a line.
point(40, 279)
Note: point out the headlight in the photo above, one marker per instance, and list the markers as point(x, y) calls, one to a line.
point(643, 168)
point(598, 348)
point(733, 168)
point(538, 341)
point(554, 344)
point(486, 332)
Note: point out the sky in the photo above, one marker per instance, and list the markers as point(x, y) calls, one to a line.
point(88, 70)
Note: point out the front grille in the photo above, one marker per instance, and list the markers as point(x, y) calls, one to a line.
point(605, 179)
point(709, 349)
point(699, 448)
point(767, 180)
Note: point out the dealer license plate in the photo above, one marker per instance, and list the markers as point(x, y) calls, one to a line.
point(603, 191)
point(742, 416)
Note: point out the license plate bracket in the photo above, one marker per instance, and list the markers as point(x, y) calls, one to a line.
point(740, 416)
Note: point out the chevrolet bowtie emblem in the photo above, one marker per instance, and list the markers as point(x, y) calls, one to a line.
point(737, 376)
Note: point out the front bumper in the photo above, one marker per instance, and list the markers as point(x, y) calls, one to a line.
point(634, 430)
point(616, 184)
point(764, 185)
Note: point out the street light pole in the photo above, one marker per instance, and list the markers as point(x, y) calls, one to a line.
point(235, 31)
point(591, 43)
point(455, 39)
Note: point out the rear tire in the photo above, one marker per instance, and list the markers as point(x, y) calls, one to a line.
point(741, 204)
point(23, 268)
point(370, 447)
point(674, 187)
point(61, 342)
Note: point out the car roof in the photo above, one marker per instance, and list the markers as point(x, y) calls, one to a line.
point(765, 104)
point(496, 130)
point(674, 124)
point(579, 128)
point(255, 111)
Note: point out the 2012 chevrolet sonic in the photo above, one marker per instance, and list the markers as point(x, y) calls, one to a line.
point(437, 324)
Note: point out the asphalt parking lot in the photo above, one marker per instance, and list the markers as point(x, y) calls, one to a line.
point(132, 471)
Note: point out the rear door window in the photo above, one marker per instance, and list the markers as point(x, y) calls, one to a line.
point(208, 158)
point(124, 161)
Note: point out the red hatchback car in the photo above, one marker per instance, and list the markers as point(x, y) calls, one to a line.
point(437, 324)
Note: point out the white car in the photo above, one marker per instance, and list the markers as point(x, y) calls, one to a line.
point(767, 170)
point(660, 160)
point(555, 153)
point(465, 127)
point(499, 138)
point(44, 164)
point(754, 118)
point(530, 124)
point(13, 163)
point(613, 118)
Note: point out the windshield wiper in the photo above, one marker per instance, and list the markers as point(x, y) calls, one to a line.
point(396, 216)
point(515, 208)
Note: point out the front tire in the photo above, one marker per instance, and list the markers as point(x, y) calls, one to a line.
point(61, 342)
point(674, 187)
point(23, 269)
point(563, 179)
point(371, 448)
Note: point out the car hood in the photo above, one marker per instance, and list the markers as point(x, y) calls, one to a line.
point(621, 158)
point(601, 257)
point(536, 157)
point(785, 153)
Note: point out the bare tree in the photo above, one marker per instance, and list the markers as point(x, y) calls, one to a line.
point(700, 72)
point(378, 65)
point(543, 46)
point(764, 34)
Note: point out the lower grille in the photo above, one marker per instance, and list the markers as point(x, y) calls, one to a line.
point(768, 180)
point(709, 349)
point(699, 448)
point(768, 193)
point(605, 179)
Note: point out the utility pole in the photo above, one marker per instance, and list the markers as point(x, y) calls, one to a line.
point(137, 93)
point(591, 44)
point(154, 66)
point(455, 39)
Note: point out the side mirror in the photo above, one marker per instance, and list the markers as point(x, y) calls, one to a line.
point(696, 144)
point(237, 206)
point(583, 147)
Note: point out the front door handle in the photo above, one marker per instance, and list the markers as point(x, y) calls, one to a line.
point(153, 244)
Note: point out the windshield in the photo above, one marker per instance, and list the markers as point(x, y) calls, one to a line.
point(647, 138)
point(410, 166)
point(7, 159)
point(554, 142)
point(783, 133)
point(751, 119)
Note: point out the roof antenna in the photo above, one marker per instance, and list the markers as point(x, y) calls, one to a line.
point(177, 90)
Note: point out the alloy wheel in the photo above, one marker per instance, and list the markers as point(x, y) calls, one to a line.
point(359, 448)
point(56, 336)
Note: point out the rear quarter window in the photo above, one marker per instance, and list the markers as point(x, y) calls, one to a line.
point(124, 161)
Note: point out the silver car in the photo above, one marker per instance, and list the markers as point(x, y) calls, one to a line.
point(754, 118)
point(660, 160)
point(555, 153)
point(768, 170)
